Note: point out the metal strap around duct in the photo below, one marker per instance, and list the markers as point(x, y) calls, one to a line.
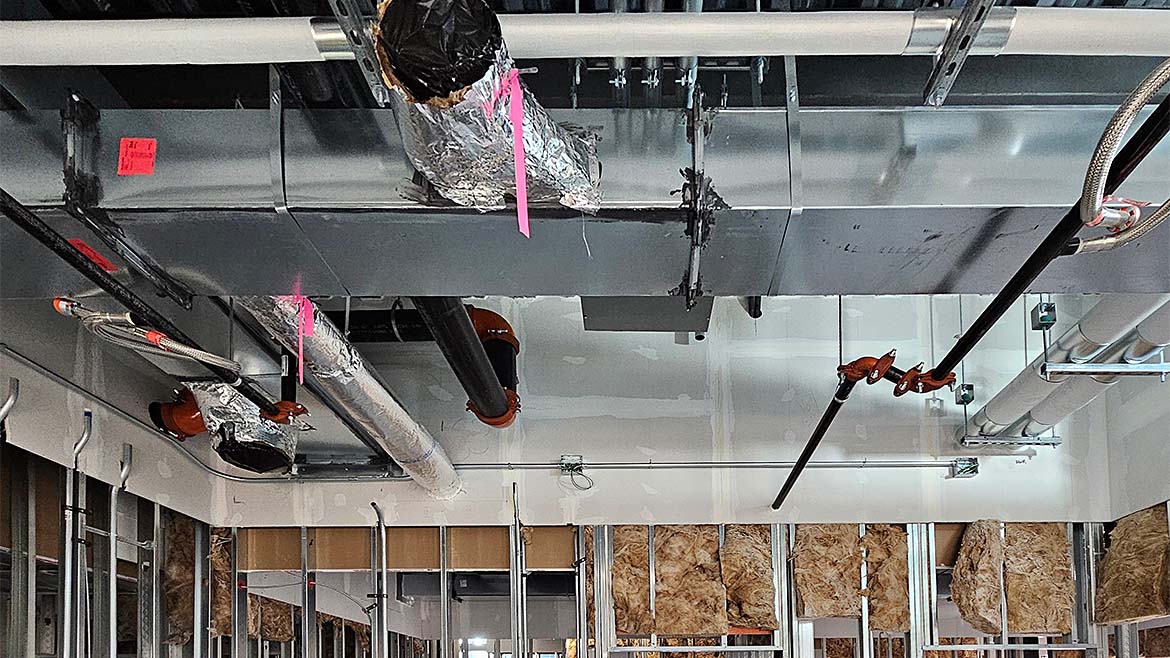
point(343, 374)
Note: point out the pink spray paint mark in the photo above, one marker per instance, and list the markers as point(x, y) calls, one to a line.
point(511, 84)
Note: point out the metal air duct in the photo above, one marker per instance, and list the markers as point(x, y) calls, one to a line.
point(1108, 321)
point(343, 374)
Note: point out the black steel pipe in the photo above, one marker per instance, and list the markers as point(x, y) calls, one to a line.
point(1152, 130)
point(395, 325)
point(453, 331)
point(31, 224)
point(844, 388)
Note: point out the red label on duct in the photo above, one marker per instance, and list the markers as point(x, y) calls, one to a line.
point(92, 254)
point(136, 156)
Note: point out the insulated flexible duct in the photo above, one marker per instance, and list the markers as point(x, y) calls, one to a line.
point(342, 373)
point(1104, 324)
point(1145, 342)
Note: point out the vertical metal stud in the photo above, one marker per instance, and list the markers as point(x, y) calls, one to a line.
point(105, 583)
point(931, 585)
point(779, 583)
point(582, 598)
point(651, 568)
point(1127, 640)
point(1003, 611)
point(309, 648)
point(380, 631)
point(22, 501)
point(864, 635)
point(239, 600)
point(444, 596)
point(201, 641)
point(517, 576)
point(73, 495)
point(604, 638)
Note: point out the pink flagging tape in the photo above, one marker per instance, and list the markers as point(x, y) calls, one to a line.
point(304, 328)
point(516, 116)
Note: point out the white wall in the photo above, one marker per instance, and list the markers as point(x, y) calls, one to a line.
point(1139, 444)
point(752, 391)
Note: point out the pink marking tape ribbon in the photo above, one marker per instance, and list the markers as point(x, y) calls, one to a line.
point(511, 84)
point(304, 328)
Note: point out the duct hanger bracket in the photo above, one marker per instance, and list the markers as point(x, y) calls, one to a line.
point(79, 123)
point(955, 49)
point(980, 441)
point(699, 199)
point(355, 17)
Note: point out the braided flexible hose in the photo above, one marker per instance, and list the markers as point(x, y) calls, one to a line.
point(1091, 208)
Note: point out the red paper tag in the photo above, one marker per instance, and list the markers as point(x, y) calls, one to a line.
point(136, 156)
point(92, 254)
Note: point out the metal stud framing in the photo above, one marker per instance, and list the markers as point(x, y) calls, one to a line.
point(308, 639)
point(22, 503)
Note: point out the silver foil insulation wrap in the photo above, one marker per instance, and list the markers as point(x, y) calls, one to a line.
point(466, 151)
point(239, 433)
point(343, 374)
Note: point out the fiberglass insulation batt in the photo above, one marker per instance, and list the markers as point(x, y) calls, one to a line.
point(179, 577)
point(631, 580)
point(1036, 568)
point(1134, 583)
point(746, 562)
point(826, 562)
point(276, 620)
point(690, 598)
point(887, 564)
point(1038, 578)
point(975, 586)
point(221, 582)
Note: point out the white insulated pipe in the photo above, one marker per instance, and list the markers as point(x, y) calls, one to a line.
point(1146, 341)
point(1107, 322)
point(342, 373)
point(1008, 31)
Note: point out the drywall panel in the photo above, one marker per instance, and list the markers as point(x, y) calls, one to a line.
point(1139, 443)
point(753, 390)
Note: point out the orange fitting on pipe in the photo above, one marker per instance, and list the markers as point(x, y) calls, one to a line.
point(180, 418)
point(285, 412)
point(490, 325)
point(508, 417)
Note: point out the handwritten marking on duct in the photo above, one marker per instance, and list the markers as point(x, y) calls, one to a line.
point(511, 84)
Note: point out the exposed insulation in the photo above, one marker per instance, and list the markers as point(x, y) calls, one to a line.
point(1038, 578)
point(826, 561)
point(975, 586)
point(221, 582)
point(1135, 572)
point(178, 576)
point(887, 564)
point(276, 620)
point(1155, 642)
point(631, 580)
point(361, 632)
point(839, 647)
point(746, 563)
point(253, 617)
point(889, 647)
point(690, 598)
point(589, 611)
point(684, 641)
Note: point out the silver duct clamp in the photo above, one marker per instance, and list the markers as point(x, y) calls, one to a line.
point(1043, 316)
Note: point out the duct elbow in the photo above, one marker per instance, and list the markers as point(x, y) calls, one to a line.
point(502, 347)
